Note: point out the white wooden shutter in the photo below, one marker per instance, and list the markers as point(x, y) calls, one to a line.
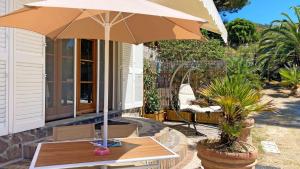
point(3, 73)
point(29, 83)
point(132, 76)
point(137, 67)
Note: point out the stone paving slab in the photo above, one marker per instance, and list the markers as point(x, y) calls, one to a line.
point(205, 131)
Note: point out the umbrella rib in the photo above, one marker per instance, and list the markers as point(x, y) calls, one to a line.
point(115, 18)
point(123, 18)
point(181, 26)
point(127, 27)
point(95, 19)
point(102, 18)
point(69, 25)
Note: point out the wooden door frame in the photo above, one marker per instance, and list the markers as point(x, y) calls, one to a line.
point(86, 108)
point(55, 112)
point(51, 111)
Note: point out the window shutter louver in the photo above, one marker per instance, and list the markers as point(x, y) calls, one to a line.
point(132, 76)
point(3, 73)
point(29, 78)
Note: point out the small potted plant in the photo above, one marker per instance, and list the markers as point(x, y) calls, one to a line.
point(238, 99)
point(151, 96)
point(291, 77)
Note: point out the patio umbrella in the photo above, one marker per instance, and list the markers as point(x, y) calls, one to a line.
point(205, 9)
point(127, 21)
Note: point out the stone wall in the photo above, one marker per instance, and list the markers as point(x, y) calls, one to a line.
point(16, 147)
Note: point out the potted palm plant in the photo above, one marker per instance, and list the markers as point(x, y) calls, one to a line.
point(291, 77)
point(151, 96)
point(238, 99)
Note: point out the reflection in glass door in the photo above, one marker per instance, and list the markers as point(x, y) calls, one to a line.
point(86, 75)
point(60, 79)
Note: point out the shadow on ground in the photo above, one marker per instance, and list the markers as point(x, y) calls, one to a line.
point(287, 115)
point(187, 131)
point(265, 167)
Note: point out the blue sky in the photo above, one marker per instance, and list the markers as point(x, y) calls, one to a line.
point(264, 11)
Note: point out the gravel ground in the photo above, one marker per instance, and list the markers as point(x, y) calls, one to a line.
point(283, 128)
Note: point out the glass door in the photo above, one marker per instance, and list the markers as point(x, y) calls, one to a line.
point(86, 75)
point(60, 79)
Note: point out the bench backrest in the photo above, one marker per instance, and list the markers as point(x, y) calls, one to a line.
point(76, 132)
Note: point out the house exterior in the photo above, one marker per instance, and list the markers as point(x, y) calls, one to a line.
point(43, 81)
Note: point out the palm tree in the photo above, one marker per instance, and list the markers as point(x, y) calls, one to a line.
point(238, 99)
point(280, 44)
point(291, 77)
point(241, 66)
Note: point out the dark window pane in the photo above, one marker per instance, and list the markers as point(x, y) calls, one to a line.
point(49, 94)
point(49, 46)
point(67, 93)
point(86, 71)
point(67, 69)
point(86, 93)
point(86, 49)
point(67, 47)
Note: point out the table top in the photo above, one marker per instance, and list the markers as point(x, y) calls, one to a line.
point(71, 154)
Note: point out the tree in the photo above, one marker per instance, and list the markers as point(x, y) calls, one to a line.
point(241, 31)
point(230, 5)
point(280, 45)
point(244, 68)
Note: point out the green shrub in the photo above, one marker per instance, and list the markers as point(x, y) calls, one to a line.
point(151, 97)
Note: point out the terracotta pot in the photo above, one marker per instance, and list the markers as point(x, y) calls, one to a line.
point(245, 136)
point(213, 159)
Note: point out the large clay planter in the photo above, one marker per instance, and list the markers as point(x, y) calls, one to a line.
point(213, 159)
point(248, 124)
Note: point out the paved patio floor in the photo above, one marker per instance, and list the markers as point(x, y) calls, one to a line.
point(206, 131)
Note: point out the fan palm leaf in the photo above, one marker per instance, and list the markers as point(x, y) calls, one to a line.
point(238, 99)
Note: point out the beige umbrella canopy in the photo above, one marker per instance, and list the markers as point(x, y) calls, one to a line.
point(200, 8)
point(131, 21)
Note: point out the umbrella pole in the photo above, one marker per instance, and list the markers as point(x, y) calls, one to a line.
point(107, 27)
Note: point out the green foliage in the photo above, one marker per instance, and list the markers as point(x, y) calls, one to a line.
point(244, 68)
point(186, 50)
point(241, 31)
point(290, 77)
point(230, 5)
point(151, 97)
point(238, 99)
point(280, 45)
